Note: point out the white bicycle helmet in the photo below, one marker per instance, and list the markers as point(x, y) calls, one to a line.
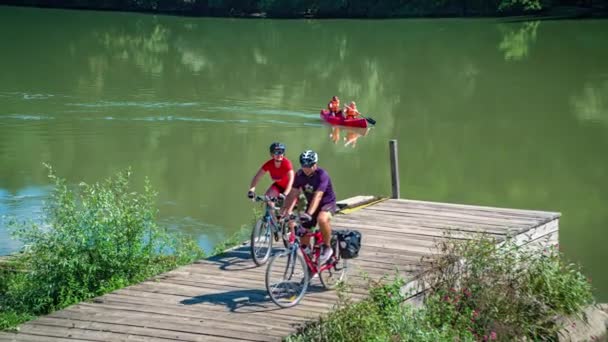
point(308, 158)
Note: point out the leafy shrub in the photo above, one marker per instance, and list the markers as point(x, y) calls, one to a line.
point(380, 317)
point(477, 290)
point(503, 291)
point(95, 238)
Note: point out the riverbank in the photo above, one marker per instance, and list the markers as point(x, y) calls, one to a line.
point(330, 10)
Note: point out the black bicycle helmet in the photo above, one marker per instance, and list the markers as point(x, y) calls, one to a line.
point(277, 147)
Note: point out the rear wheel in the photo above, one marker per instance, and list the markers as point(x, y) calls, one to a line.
point(287, 278)
point(261, 242)
point(336, 273)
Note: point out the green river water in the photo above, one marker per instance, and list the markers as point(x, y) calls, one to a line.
point(492, 112)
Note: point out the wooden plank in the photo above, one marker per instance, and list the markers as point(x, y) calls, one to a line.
point(267, 313)
point(164, 322)
point(243, 305)
point(423, 223)
point(213, 278)
point(240, 301)
point(327, 298)
point(149, 334)
point(403, 230)
point(220, 293)
point(42, 330)
point(477, 215)
point(215, 316)
point(25, 337)
point(451, 221)
point(537, 233)
point(161, 299)
point(483, 217)
point(465, 207)
point(355, 201)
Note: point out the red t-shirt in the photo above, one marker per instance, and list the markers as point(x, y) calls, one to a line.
point(279, 174)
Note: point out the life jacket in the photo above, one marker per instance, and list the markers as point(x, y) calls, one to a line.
point(351, 112)
point(334, 106)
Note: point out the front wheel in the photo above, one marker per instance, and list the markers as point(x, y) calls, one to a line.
point(287, 278)
point(261, 242)
point(285, 234)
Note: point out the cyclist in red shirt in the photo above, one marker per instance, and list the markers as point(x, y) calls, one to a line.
point(281, 172)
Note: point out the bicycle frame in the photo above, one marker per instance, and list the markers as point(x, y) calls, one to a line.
point(306, 263)
point(268, 213)
point(266, 230)
point(268, 217)
point(316, 253)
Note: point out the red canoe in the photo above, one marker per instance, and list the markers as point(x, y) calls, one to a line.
point(338, 120)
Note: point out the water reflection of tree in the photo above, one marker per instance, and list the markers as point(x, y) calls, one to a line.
point(145, 48)
point(592, 103)
point(516, 42)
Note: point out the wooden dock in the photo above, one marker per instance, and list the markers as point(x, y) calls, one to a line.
point(224, 298)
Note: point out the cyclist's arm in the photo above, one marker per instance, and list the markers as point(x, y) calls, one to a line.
point(314, 203)
point(291, 175)
point(290, 202)
point(256, 179)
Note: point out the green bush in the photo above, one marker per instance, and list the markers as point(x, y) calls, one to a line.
point(503, 291)
point(95, 238)
point(380, 317)
point(477, 290)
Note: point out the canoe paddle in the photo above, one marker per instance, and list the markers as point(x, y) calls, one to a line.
point(370, 120)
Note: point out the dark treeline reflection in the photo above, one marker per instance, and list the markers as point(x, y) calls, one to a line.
point(486, 112)
point(336, 8)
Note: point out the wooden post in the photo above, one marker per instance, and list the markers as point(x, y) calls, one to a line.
point(392, 144)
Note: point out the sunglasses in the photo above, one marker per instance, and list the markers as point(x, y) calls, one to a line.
point(278, 152)
point(308, 165)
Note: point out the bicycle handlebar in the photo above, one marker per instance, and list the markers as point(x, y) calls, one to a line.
point(265, 198)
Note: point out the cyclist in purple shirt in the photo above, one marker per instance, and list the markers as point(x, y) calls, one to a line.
point(317, 187)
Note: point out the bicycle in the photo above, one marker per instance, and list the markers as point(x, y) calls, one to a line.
point(267, 229)
point(295, 270)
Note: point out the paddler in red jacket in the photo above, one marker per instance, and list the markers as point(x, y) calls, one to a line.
point(334, 106)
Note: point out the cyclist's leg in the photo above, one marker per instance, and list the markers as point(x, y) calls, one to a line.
point(273, 191)
point(309, 225)
point(323, 217)
point(292, 231)
point(300, 206)
point(324, 225)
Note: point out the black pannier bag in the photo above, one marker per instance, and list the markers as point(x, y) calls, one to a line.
point(349, 242)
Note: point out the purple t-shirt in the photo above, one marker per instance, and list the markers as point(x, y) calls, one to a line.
point(318, 181)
